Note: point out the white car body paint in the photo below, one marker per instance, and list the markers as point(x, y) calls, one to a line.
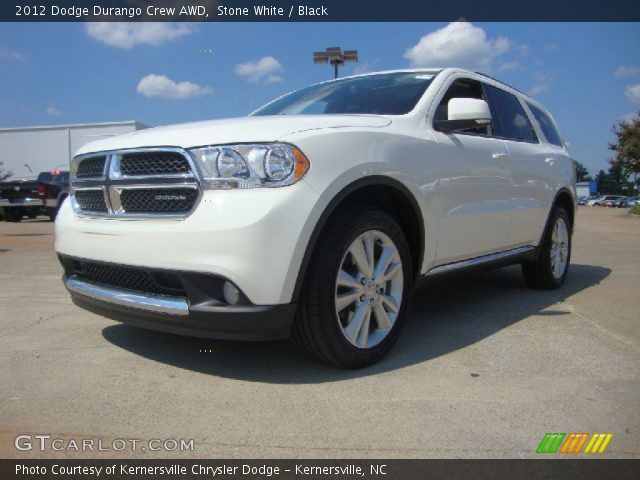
point(471, 203)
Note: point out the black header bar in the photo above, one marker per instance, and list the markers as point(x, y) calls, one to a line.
point(318, 10)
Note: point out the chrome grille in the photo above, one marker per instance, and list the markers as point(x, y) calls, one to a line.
point(154, 200)
point(91, 167)
point(153, 163)
point(135, 183)
point(91, 200)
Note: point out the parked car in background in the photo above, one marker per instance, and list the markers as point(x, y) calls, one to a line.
point(599, 201)
point(313, 217)
point(628, 202)
point(612, 203)
point(584, 199)
point(20, 198)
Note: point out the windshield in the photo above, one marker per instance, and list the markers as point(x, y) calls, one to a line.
point(47, 177)
point(380, 94)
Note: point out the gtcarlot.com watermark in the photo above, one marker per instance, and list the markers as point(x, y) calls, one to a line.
point(48, 443)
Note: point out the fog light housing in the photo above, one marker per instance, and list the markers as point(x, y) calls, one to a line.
point(231, 293)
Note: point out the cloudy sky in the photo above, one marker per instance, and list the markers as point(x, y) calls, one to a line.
point(588, 75)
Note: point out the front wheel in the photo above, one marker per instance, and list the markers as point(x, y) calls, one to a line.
point(357, 290)
point(550, 269)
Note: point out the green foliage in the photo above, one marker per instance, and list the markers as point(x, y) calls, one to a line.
point(626, 146)
point(626, 160)
point(635, 210)
point(582, 173)
point(611, 183)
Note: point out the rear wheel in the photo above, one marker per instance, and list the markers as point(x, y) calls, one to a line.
point(357, 288)
point(550, 269)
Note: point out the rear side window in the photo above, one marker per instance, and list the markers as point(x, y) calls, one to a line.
point(44, 177)
point(512, 122)
point(62, 177)
point(547, 126)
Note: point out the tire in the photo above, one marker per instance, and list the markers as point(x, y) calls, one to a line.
point(325, 327)
point(541, 273)
point(13, 215)
point(32, 214)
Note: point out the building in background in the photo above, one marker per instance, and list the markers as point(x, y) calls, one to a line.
point(27, 151)
point(585, 189)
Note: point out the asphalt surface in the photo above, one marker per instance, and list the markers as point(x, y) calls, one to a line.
point(484, 368)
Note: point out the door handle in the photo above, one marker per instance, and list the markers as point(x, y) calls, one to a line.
point(550, 161)
point(501, 157)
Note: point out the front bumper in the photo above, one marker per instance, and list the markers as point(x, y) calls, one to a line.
point(22, 202)
point(180, 315)
point(254, 238)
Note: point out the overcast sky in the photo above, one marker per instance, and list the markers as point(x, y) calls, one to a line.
point(588, 75)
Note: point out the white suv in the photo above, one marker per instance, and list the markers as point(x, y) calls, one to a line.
point(313, 217)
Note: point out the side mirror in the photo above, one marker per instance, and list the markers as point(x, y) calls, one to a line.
point(465, 114)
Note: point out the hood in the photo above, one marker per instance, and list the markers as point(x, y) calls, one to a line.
point(231, 130)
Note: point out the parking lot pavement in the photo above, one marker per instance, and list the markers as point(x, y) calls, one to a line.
point(484, 368)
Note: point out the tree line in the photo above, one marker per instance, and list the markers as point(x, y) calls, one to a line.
point(624, 163)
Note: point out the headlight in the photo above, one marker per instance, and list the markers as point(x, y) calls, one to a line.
point(250, 166)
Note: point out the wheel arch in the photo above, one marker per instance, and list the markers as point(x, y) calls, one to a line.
point(565, 199)
point(392, 197)
point(62, 196)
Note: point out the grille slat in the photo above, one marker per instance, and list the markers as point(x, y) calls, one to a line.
point(91, 200)
point(158, 200)
point(130, 278)
point(154, 163)
point(91, 167)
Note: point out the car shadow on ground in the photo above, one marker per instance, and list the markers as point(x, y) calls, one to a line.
point(446, 314)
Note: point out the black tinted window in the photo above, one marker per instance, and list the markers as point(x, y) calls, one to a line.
point(44, 177)
point(382, 94)
point(512, 121)
point(62, 177)
point(546, 125)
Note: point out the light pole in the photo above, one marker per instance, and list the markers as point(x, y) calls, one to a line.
point(336, 57)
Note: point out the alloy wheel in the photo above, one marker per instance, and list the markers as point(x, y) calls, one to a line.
point(369, 287)
point(559, 248)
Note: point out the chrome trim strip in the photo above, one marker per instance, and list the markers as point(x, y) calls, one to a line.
point(449, 267)
point(128, 298)
point(138, 186)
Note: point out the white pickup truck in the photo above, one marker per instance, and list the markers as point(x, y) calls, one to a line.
point(313, 216)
